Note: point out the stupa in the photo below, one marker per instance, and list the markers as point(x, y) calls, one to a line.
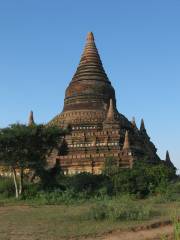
point(97, 131)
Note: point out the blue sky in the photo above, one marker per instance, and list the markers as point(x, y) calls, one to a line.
point(139, 42)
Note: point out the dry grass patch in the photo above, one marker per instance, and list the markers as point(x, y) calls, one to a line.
point(65, 222)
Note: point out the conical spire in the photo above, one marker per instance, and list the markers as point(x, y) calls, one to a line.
point(126, 141)
point(142, 127)
point(90, 66)
point(167, 157)
point(31, 119)
point(90, 87)
point(110, 113)
point(133, 121)
point(90, 37)
point(143, 130)
point(168, 161)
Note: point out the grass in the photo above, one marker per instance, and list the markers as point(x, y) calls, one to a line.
point(176, 232)
point(176, 229)
point(48, 222)
point(122, 209)
point(22, 220)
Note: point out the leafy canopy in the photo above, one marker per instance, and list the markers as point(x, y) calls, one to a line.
point(27, 146)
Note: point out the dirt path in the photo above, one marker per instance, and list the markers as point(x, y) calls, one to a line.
point(147, 234)
point(152, 232)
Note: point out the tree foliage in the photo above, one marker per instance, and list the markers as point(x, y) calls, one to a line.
point(24, 148)
point(144, 178)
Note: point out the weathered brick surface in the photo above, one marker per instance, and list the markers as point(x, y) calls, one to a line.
point(98, 130)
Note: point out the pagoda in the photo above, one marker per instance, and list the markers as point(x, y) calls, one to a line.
point(97, 131)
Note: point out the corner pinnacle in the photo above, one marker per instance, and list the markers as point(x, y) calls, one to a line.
point(126, 141)
point(167, 157)
point(31, 119)
point(110, 113)
point(142, 127)
point(133, 122)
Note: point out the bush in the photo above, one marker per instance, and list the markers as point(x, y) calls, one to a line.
point(49, 198)
point(30, 190)
point(86, 182)
point(6, 187)
point(175, 187)
point(143, 179)
point(50, 178)
point(98, 212)
point(121, 210)
point(176, 227)
point(58, 196)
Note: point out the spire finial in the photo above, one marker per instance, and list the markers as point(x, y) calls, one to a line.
point(126, 141)
point(110, 113)
point(142, 127)
point(167, 157)
point(31, 119)
point(90, 37)
point(168, 161)
point(133, 121)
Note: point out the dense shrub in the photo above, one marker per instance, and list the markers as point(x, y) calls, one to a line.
point(143, 179)
point(51, 178)
point(175, 187)
point(172, 192)
point(121, 210)
point(58, 196)
point(6, 187)
point(87, 182)
point(30, 190)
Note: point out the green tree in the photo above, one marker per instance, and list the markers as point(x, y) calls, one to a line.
point(159, 177)
point(143, 179)
point(26, 147)
point(110, 167)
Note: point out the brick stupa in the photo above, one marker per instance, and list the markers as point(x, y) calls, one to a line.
point(97, 130)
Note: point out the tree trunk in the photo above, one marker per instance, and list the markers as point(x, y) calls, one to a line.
point(21, 185)
point(15, 183)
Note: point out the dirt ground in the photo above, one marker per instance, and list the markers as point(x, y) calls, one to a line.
point(162, 232)
point(60, 222)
